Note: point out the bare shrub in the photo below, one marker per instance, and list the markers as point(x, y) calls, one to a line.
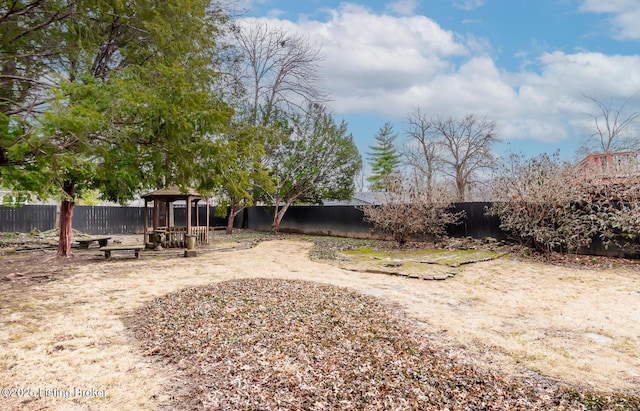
point(615, 204)
point(407, 212)
point(552, 206)
point(537, 201)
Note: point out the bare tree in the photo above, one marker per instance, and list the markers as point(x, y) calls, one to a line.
point(308, 157)
point(281, 71)
point(612, 130)
point(466, 149)
point(422, 151)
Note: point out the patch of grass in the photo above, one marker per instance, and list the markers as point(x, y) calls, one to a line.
point(331, 248)
point(627, 345)
point(239, 235)
point(335, 248)
point(384, 257)
point(366, 250)
point(451, 258)
point(7, 361)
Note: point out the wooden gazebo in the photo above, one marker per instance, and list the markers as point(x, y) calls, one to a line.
point(164, 230)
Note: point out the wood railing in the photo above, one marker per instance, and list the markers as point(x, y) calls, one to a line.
point(175, 237)
point(201, 234)
point(612, 165)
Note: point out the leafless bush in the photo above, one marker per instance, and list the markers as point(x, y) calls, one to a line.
point(407, 212)
point(532, 200)
point(615, 203)
point(553, 206)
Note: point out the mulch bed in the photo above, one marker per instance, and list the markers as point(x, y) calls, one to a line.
point(266, 344)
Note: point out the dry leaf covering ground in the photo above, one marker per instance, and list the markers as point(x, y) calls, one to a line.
point(265, 327)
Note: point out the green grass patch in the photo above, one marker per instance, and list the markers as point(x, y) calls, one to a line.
point(451, 258)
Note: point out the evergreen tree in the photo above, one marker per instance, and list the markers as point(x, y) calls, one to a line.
point(384, 160)
point(127, 102)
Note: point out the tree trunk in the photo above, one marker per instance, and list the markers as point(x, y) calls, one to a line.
point(460, 188)
point(66, 217)
point(274, 222)
point(233, 212)
point(230, 219)
point(278, 214)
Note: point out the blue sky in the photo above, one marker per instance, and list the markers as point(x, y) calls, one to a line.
point(523, 63)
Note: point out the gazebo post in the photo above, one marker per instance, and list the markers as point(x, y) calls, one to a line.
point(156, 223)
point(196, 210)
point(156, 214)
point(189, 205)
point(168, 220)
point(206, 232)
point(146, 220)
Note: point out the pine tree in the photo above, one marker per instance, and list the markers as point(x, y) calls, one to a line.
point(384, 160)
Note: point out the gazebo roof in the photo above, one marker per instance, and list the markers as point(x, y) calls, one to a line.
point(173, 193)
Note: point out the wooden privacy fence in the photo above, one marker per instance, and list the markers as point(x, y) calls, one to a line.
point(86, 219)
point(91, 220)
point(26, 218)
point(345, 221)
point(108, 220)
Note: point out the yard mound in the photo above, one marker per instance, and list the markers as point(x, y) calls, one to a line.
point(290, 344)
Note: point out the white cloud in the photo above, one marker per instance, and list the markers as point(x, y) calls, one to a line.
point(593, 73)
point(607, 6)
point(387, 65)
point(625, 15)
point(369, 54)
point(551, 103)
point(468, 4)
point(403, 7)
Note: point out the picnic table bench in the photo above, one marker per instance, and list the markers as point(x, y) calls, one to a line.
point(108, 249)
point(84, 243)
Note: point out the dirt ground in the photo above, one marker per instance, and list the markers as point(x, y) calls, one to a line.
point(63, 343)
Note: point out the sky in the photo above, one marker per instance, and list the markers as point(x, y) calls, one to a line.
point(525, 64)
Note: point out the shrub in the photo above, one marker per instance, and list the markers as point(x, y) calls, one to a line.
point(552, 206)
point(407, 212)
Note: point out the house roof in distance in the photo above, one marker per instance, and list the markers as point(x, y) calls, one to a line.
point(611, 164)
point(361, 198)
